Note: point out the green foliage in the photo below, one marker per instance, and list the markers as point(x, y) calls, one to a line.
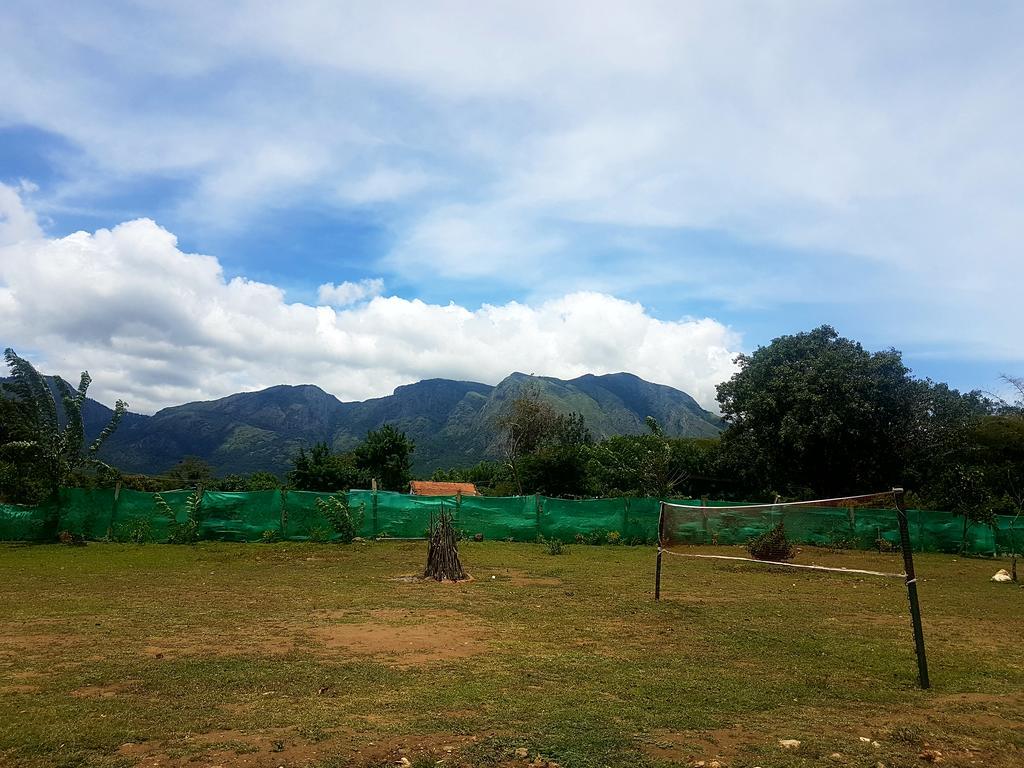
point(554, 546)
point(181, 531)
point(320, 470)
point(386, 455)
point(190, 472)
point(772, 545)
point(344, 520)
point(816, 411)
point(137, 530)
point(37, 444)
point(270, 536)
point(262, 481)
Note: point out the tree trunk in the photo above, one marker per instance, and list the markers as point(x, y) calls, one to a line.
point(443, 551)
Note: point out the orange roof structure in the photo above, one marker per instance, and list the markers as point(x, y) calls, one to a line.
point(430, 488)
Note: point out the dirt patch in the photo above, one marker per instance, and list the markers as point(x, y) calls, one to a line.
point(277, 747)
point(404, 638)
point(100, 691)
point(19, 688)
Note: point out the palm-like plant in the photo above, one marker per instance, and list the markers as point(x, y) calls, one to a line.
point(58, 451)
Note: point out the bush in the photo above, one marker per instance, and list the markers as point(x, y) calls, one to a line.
point(344, 520)
point(555, 546)
point(177, 532)
point(771, 545)
point(270, 535)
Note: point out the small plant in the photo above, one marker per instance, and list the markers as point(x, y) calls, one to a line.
point(554, 546)
point(344, 520)
point(270, 535)
point(771, 545)
point(614, 537)
point(320, 534)
point(186, 532)
point(138, 530)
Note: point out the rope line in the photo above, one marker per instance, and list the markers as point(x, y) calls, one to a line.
point(780, 504)
point(787, 565)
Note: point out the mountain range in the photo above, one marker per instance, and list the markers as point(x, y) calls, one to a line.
point(453, 423)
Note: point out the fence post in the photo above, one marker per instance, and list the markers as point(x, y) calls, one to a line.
point(539, 505)
point(113, 510)
point(911, 577)
point(661, 539)
point(284, 513)
point(373, 505)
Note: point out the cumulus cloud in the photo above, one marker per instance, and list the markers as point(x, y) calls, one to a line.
point(887, 134)
point(348, 292)
point(159, 326)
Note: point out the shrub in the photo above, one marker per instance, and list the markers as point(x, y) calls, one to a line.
point(614, 537)
point(344, 520)
point(181, 532)
point(270, 535)
point(771, 545)
point(138, 530)
point(555, 546)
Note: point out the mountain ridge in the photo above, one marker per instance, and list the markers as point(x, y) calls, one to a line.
point(453, 423)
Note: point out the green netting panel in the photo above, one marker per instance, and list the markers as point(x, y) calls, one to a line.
point(703, 525)
point(303, 520)
point(401, 516)
point(591, 518)
point(87, 512)
point(498, 518)
point(250, 516)
point(20, 523)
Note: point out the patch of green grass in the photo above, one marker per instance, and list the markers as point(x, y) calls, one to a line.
point(184, 650)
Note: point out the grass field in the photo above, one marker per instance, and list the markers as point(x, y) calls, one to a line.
point(321, 655)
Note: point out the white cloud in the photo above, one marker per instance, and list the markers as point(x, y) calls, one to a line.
point(17, 222)
point(158, 327)
point(886, 133)
point(346, 293)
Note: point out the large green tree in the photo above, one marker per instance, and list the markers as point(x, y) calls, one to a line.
point(320, 470)
point(386, 455)
point(816, 414)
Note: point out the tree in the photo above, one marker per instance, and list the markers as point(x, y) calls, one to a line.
point(320, 470)
point(386, 455)
point(815, 413)
point(192, 471)
point(57, 452)
point(262, 481)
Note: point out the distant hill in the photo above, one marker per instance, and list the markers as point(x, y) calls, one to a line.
point(452, 422)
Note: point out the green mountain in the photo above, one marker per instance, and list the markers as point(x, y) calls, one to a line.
point(452, 422)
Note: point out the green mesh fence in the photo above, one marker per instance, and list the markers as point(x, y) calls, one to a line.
point(295, 516)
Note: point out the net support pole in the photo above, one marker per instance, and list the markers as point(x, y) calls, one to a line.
point(661, 541)
point(915, 606)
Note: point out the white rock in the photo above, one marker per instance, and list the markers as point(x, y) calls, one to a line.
point(789, 743)
point(876, 745)
point(865, 739)
point(1002, 576)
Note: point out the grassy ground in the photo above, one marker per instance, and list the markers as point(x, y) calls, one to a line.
point(319, 655)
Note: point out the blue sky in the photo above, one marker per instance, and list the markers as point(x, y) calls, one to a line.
point(556, 188)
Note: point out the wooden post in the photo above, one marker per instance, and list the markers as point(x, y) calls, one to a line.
point(661, 540)
point(284, 513)
point(908, 567)
point(113, 510)
point(373, 504)
point(704, 518)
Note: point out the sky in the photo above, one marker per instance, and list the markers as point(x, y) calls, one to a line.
point(201, 198)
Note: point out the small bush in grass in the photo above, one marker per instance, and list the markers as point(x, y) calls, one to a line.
point(614, 537)
point(771, 545)
point(269, 536)
point(555, 547)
